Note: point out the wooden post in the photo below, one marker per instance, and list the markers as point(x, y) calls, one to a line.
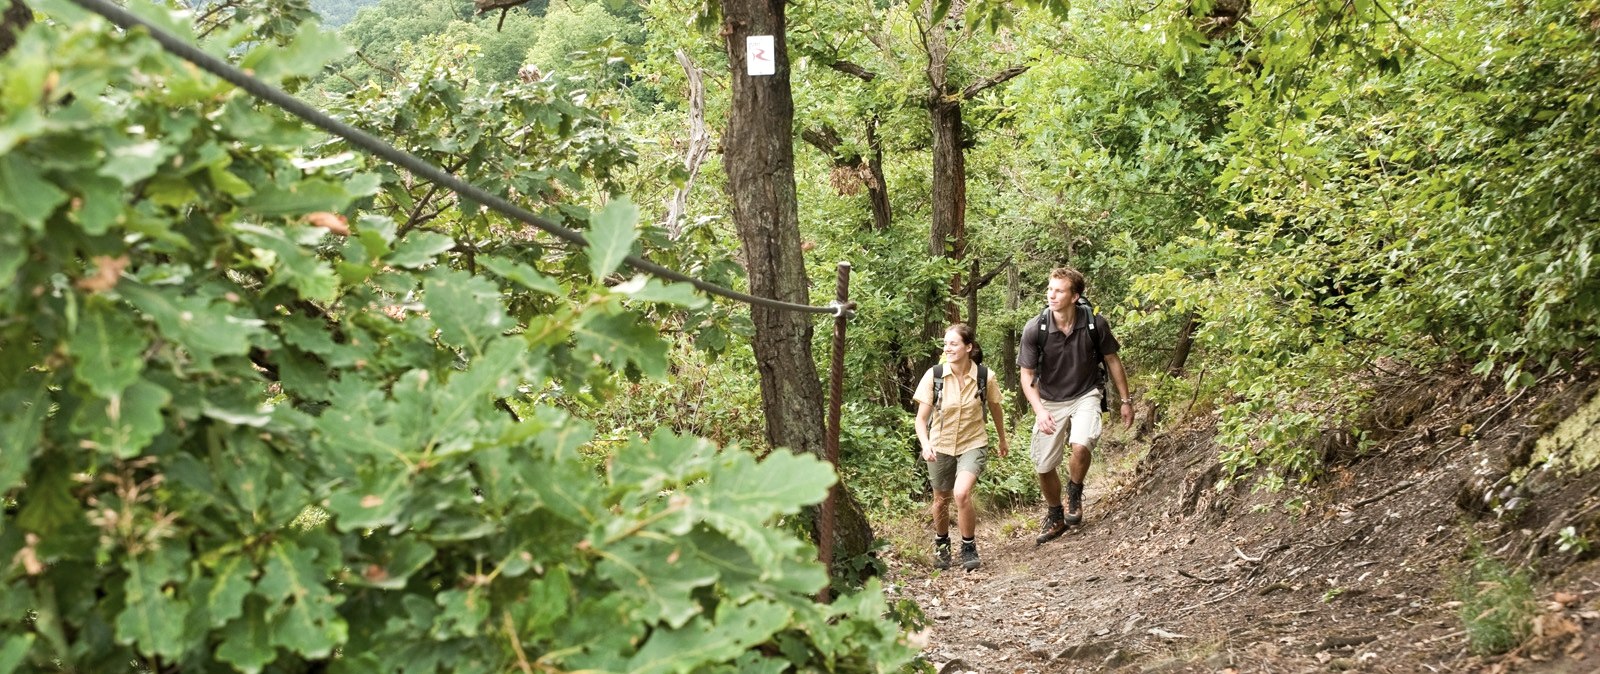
point(843, 311)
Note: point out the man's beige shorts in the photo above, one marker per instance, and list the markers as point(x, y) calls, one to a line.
point(1077, 422)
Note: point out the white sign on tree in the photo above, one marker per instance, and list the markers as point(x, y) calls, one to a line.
point(760, 57)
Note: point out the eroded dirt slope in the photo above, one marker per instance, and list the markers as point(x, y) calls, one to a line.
point(1358, 572)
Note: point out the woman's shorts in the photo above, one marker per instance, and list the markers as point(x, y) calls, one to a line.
point(942, 471)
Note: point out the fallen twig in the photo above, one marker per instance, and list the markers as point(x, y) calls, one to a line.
point(1247, 558)
point(1202, 579)
point(1386, 494)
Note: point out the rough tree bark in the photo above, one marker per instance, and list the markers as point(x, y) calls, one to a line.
point(759, 156)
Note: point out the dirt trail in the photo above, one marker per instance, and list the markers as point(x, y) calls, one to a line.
point(1169, 574)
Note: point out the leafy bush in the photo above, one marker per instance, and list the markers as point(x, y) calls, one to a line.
point(249, 426)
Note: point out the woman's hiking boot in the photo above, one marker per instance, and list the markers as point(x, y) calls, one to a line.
point(969, 555)
point(1074, 503)
point(941, 552)
point(1054, 525)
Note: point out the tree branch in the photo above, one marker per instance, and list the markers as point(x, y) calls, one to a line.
point(983, 281)
point(853, 70)
point(998, 78)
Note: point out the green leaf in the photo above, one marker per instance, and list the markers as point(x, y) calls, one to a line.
point(611, 236)
point(13, 651)
point(650, 289)
point(747, 494)
point(521, 274)
point(220, 594)
point(661, 574)
point(291, 262)
point(205, 328)
point(247, 641)
point(125, 423)
point(135, 161)
point(622, 339)
point(376, 502)
point(304, 56)
point(101, 204)
point(419, 249)
point(304, 196)
point(151, 617)
point(26, 194)
point(463, 612)
point(690, 647)
point(109, 347)
point(22, 411)
point(309, 626)
point(466, 309)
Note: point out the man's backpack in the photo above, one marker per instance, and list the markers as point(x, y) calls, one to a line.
point(983, 390)
point(1085, 308)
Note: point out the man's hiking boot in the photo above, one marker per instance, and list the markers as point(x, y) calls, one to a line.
point(969, 555)
point(1054, 526)
point(1074, 503)
point(941, 552)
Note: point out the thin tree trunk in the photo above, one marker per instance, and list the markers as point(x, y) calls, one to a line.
point(877, 188)
point(760, 166)
point(947, 237)
point(1175, 368)
point(1013, 379)
point(1180, 352)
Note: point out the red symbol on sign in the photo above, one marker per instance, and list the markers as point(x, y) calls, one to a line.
point(761, 55)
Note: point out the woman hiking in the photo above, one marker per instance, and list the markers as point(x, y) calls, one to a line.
point(954, 399)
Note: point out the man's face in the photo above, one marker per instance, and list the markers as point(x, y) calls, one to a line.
point(1060, 294)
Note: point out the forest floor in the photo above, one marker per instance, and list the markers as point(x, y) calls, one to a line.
point(1361, 571)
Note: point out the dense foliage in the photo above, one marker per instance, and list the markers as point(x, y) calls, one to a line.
point(268, 405)
point(250, 424)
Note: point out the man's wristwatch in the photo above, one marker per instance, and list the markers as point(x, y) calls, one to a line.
point(1127, 401)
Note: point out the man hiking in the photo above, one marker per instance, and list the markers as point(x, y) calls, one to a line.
point(1066, 353)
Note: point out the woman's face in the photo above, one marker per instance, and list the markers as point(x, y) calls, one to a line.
point(955, 350)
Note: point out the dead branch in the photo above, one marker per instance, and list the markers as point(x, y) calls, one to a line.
point(699, 145)
point(1203, 579)
point(1386, 494)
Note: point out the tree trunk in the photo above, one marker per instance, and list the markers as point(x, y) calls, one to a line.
point(1013, 377)
point(877, 188)
point(1175, 368)
point(16, 18)
point(1180, 352)
point(947, 237)
point(759, 160)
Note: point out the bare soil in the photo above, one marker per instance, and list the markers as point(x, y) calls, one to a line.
point(1360, 571)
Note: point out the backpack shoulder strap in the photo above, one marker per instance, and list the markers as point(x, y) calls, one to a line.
point(1041, 333)
point(938, 385)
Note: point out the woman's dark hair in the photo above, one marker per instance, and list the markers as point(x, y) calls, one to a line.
point(969, 337)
